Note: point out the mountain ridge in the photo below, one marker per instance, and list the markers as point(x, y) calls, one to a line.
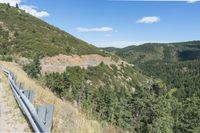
point(160, 51)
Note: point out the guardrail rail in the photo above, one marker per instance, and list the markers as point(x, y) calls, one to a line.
point(40, 117)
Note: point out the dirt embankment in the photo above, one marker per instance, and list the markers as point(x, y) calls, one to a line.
point(60, 62)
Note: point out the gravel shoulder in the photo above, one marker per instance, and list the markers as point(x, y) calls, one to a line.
point(11, 118)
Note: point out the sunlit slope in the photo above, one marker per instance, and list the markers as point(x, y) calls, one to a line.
point(161, 52)
point(67, 118)
point(25, 35)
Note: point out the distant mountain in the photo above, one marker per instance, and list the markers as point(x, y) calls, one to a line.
point(24, 35)
point(111, 49)
point(177, 64)
point(163, 52)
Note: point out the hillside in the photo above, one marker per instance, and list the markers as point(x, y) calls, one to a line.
point(95, 91)
point(22, 34)
point(60, 62)
point(99, 85)
point(177, 64)
point(170, 52)
point(67, 116)
point(184, 75)
point(145, 109)
point(111, 49)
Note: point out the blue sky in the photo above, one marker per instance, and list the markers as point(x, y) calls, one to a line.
point(120, 23)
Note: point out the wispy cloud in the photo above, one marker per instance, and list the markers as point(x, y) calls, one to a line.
point(100, 29)
point(28, 8)
point(11, 2)
point(32, 10)
point(192, 1)
point(149, 19)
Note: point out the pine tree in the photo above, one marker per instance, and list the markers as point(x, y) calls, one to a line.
point(17, 6)
point(8, 5)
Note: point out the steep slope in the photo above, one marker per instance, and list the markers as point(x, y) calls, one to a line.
point(147, 109)
point(184, 75)
point(67, 117)
point(177, 64)
point(24, 35)
point(98, 85)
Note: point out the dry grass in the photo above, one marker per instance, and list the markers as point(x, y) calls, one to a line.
point(16, 122)
point(67, 118)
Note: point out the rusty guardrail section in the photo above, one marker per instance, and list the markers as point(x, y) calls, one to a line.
point(41, 117)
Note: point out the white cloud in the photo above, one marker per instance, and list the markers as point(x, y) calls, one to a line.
point(32, 10)
point(192, 1)
point(149, 19)
point(188, 1)
point(101, 29)
point(11, 2)
point(29, 9)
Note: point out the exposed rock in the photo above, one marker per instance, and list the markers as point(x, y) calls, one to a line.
point(60, 62)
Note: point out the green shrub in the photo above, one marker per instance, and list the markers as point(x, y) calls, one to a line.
point(7, 58)
point(33, 69)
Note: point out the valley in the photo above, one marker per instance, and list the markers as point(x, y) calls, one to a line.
point(153, 87)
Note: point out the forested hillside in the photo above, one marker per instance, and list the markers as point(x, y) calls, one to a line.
point(24, 35)
point(183, 75)
point(177, 64)
point(132, 108)
point(103, 92)
point(116, 93)
point(161, 52)
point(152, 108)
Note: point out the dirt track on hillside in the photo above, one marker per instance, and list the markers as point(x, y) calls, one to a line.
point(60, 62)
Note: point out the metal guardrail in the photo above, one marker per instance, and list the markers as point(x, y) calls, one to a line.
point(41, 117)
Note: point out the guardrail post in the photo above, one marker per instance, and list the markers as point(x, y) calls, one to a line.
point(20, 85)
point(29, 94)
point(45, 112)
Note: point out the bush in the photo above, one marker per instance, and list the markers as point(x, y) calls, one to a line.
point(7, 58)
point(33, 69)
